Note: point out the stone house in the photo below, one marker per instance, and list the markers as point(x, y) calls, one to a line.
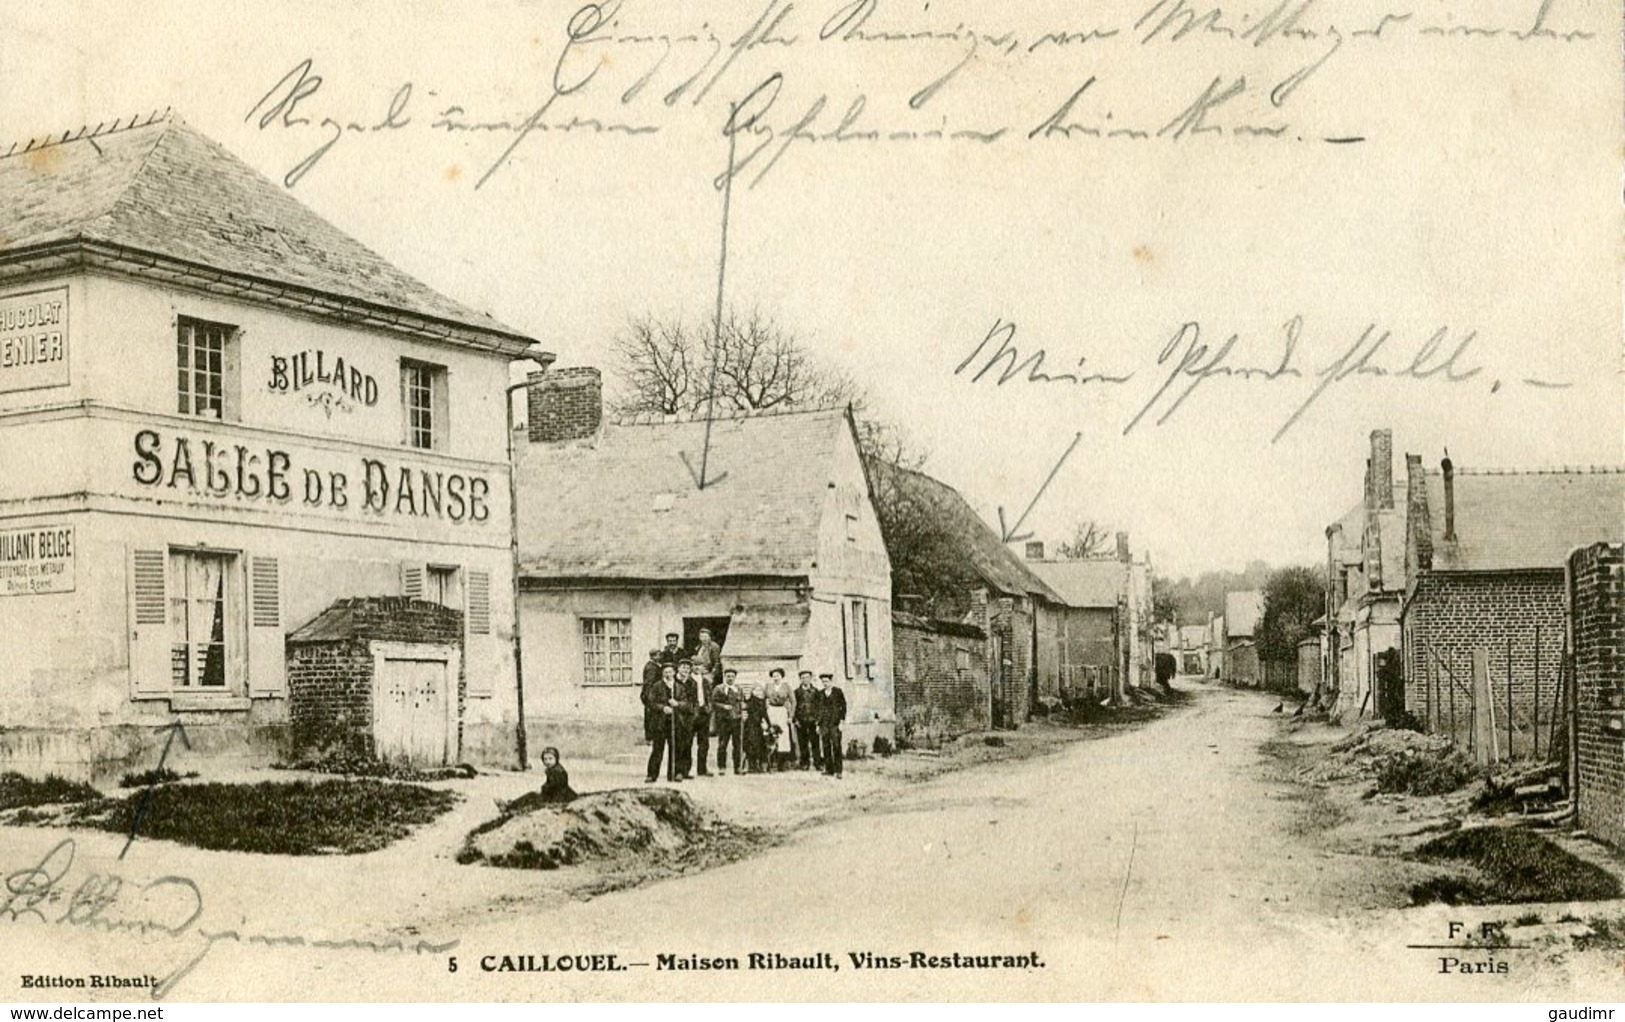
point(1365, 585)
point(219, 416)
point(780, 556)
point(1094, 627)
point(1485, 554)
point(998, 594)
point(1242, 612)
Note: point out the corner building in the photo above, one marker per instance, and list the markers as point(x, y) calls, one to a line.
point(219, 417)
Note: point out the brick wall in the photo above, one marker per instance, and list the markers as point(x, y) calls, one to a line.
point(941, 677)
point(1010, 620)
point(1599, 672)
point(564, 404)
point(1452, 614)
point(330, 677)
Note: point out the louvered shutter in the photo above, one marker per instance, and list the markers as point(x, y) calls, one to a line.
point(480, 654)
point(150, 654)
point(267, 667)
point(412, 577)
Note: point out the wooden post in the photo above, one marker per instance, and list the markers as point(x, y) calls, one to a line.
point(1509, 698)
point(1534, 705)
point(1486, 744)
point(1450, 679)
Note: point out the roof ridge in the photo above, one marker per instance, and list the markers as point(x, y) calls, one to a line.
point(1544, 470)
point(101, 130)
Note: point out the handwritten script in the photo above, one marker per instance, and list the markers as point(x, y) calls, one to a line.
point(166, 907)
point(866, 73)
point(1192, 358)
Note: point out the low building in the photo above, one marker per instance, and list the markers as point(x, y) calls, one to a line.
point(1093, 626)
point(220, 415)
point(1191, 649)
point(1242, 613)
point(990, 588)
point(1485, 557)
point(779, 556)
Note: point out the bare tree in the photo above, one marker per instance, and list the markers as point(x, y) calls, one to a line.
point(1089, 539)
point(668, 368)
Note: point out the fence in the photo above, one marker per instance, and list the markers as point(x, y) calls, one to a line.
point(1502, 702)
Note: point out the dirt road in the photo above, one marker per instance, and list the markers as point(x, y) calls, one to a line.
point(1160, 863)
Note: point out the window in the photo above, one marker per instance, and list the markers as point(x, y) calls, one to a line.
point(857, 644)
point(851, 528)
point(423, 397)
point(205, 369)
point(606, 650)
point(198, 613)
point(441, 586)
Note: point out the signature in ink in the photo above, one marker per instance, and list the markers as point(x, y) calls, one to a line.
point(169, 906)
point(1034, 364)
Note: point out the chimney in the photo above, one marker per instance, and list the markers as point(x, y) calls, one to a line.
point(1449, 471)
point(1035, 550)
point(1122, 548)
point(1382, 468)
point(1417, 526)
point(565, 404)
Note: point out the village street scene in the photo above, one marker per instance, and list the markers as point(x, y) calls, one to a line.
point(374, 631)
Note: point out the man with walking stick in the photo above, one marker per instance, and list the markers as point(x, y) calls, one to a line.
point(659, 723)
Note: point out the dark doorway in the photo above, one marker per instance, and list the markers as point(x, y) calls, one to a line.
point(691, 631)
point(1390, 686)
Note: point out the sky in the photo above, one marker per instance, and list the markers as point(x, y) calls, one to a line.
point(1280, 235)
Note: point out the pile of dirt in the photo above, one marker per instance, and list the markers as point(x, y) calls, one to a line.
point(1508, 865)
point(649, 825)
point(1399, 761)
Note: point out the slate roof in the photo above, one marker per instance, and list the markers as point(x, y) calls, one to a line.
point(1242, 611)
point(160, 187)
point(587, 509)
point(1524, 519)
point(975, 542)
point(1092, 582)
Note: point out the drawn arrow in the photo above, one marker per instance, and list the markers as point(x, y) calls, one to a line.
point(701, 479)
point(1007, 533)
point(174, 728)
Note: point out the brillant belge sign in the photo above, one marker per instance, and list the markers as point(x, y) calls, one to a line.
point(35, 560)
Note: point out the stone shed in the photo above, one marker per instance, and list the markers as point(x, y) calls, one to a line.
point(380, 678)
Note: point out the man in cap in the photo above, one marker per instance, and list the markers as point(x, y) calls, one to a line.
point(727, 716)
point(831, 714)
point(659, 703)
point(708, 655)
point(651, 670)
point(703, 683)
point(808, 754)
point(687, 702)
point(673, 651)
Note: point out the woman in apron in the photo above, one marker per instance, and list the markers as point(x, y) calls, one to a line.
point(781, 707)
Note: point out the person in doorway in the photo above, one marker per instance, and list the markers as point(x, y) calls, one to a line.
point(727, 715)
point(685, 692)
point(808, 754)
point(781, 706)
point(556, 784)
point(831, 714)
point(755, 730)
point(708, 655)
point(659, 722)
point(704, 682)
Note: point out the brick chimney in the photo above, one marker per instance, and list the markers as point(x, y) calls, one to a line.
point(1382, 469)
point(565, 404)
point(1418, 526)
point(1449, 471)
point(1122, 548)
point(1035, 550)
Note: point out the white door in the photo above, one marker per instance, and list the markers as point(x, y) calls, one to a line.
point(413, 695)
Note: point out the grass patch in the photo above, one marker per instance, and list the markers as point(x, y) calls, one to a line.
point(351, 765)
point(275, 817)
point(17, 791)
point(1515, 866)
point(1606, 935)
point(149, 778)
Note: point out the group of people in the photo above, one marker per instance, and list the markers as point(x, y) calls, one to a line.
point(690, 698)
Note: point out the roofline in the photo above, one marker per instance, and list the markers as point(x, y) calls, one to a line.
point(82, 254)
point(1457, 572)
point(531, 582)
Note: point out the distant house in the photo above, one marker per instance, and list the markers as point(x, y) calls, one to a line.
point(1013, 607)
point(1485, 554)
point(1215, 645)
point(1242, 612)
point(1365, 579)
point(1092, 623)
point(1191, 649)
point(780, 556)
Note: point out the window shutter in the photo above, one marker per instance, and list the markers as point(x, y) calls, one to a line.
point(479, 603)
point(481, 654)
point(149, 624)
point(412, 581)
point(267, 667)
